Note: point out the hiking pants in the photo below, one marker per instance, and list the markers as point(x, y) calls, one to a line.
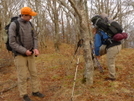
point(25, 65)
point(111, 56)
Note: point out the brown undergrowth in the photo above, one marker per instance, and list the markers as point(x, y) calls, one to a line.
point(56, 72)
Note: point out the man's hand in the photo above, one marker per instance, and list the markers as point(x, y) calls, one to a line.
point(98, 57)
point(36, 52)
point(28, 53)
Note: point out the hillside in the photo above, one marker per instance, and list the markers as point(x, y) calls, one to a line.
point(56, 72)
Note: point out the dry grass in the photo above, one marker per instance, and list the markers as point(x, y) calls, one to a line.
point(56, 72)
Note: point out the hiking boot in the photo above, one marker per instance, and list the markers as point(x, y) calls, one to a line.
point(26, 98)
point(111, 79)
point(38, 94)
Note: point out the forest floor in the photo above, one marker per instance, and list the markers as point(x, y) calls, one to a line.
point(56, 72)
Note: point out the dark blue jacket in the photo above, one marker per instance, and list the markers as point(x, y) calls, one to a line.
point(99, 39)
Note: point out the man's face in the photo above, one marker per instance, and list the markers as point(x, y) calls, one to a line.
point(26, 17)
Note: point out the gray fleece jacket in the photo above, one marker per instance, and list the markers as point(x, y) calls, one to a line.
point(27, 40)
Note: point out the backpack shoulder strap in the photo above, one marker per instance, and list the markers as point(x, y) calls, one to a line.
point(17, 31)
point(17, 27)
point(31, 24)
point(32, 28)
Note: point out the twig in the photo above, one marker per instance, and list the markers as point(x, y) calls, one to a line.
point(8, 89)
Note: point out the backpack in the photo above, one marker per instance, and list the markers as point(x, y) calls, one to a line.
point(101, 23)
point(112, 28)
point(13, 19)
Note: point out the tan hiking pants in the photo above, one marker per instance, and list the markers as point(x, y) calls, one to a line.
point(24, 65)
point(111, 56)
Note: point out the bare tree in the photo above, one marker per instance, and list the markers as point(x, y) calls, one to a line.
point(78, 9)
point(7, 11)
point(54, 9)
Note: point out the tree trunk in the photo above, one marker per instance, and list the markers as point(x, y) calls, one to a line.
point(84, 29)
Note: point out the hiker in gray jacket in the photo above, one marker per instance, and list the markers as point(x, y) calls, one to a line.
point(24, 46)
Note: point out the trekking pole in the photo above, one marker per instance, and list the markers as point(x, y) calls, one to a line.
point(78, 60)
point(79, 44)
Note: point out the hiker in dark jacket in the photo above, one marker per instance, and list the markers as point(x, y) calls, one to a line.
point(103, 45)
point(25, 48)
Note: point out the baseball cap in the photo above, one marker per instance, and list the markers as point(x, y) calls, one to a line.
point(27, 11)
